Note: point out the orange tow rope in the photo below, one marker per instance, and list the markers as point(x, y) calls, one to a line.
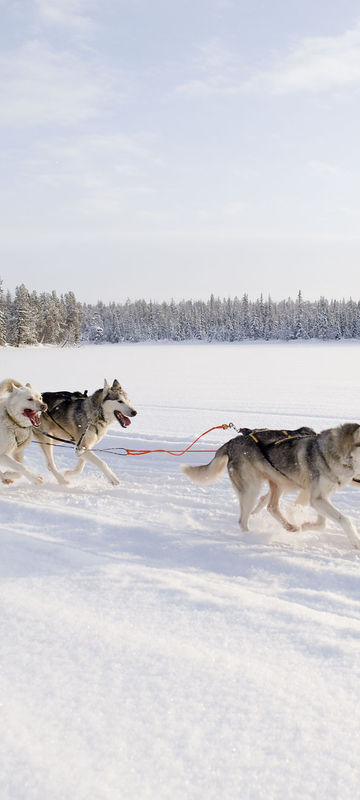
point(130, 452)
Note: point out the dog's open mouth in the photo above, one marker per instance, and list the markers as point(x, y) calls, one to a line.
point(33, 416)
point(124, 421)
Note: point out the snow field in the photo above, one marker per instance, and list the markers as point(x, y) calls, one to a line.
point(151, 650)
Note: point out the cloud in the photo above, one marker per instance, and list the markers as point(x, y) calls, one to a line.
point(217, 71)
point(39, 85)
point(105, 173)
point(316, 64)
point(66, 13)
point(324, 168)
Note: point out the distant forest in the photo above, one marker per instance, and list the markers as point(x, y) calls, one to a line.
point(32, 318)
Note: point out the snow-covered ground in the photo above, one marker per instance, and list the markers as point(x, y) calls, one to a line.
point(149, 649)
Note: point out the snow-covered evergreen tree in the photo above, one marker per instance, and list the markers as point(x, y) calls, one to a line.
point(2, 317)
point(73, 320)
point(24, 318)
point(46, 318)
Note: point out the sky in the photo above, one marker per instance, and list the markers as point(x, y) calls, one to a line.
point(166, 149)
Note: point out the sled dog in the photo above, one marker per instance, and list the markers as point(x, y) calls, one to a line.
point(83, 420)
point(316, 465)
point(20, 407)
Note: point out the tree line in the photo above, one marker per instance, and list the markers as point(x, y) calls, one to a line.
point(33, 318)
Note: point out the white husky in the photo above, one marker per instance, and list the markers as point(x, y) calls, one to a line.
point(19, 412)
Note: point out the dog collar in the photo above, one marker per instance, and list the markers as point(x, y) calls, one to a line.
point(16, 422)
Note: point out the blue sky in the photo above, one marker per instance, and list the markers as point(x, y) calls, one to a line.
point(173, 149)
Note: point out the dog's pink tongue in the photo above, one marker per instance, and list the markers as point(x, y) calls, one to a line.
point(126, 421)
point(32, 415)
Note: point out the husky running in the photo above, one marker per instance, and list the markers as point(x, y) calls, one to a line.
point(316, 465)
point(20, 407)
point(83, 420)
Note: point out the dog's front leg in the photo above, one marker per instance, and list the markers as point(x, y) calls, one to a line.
point(16, 466)
point(87, 455)
point(326, 509)
point(78, 469)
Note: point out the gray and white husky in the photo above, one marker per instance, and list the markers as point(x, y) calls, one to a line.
point(84, 421)
point(20, 407)
point(314, 464)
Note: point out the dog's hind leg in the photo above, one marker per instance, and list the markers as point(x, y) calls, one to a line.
point(247, 492)
point(18, 454)
point(8, 476)
point(262, 502)
point(47, 449)
point(303, 498)
point(274, 508)
point(20, 468)
point(247, 501)
point(319, 524)
point(325, 509)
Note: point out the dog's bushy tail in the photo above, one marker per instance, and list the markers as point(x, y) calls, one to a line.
point(8, 384)
point(208, 473)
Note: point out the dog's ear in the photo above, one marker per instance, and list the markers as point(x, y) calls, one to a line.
point(28, 385)
point(13, 384)
point(116, 384)
point(356, 435)
point(106, 385)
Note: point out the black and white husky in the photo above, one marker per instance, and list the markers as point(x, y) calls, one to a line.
point(317, 465)
point(84, 421)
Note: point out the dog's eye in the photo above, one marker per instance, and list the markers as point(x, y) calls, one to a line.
point(30, 399)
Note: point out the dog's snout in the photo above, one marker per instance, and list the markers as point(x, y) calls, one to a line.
point(133, 413)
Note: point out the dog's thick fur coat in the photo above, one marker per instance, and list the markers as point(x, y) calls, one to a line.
point(19, 412)
point(83, 420)
point(316, 465)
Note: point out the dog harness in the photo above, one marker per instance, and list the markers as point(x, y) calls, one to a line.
point(264, 448)
point(20, 442)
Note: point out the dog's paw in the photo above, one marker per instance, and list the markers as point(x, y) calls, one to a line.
point(36, 479)
point(356, 544)
point(69, 473)
point(291, 528)
point(10, 476)
point(62, 480)
point(114, 480)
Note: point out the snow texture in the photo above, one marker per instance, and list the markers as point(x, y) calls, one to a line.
point(149, 648)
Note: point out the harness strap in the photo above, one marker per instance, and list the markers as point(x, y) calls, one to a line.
point(253, 433)
point(71, 438)
point(57, 438)
point(264, 448)
point(92, 421)
point(264, 451)
point(23, 428)
point(15, 421)
point(298, 436)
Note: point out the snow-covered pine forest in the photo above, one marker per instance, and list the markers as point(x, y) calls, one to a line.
point(30, 318)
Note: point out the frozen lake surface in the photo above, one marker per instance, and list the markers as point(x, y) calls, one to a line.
point(149, 648)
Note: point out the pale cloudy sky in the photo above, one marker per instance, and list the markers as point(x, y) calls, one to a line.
point(174, 148)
